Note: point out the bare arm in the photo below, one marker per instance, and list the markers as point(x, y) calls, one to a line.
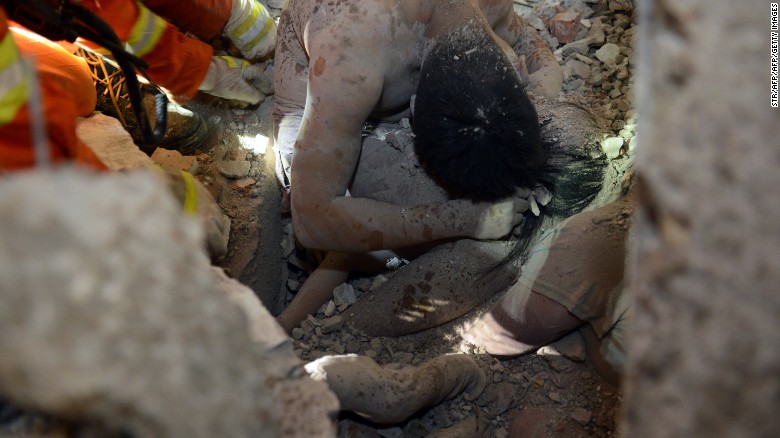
point(344, 86)
point(546, 73)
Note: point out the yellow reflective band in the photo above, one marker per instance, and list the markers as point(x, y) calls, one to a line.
point(8, 52)
point(257, 9)
point(231, 61)
point(146, 33)
point(259, 20)
point(261, 35)
point(13, 100)
point(191, 193)
point(14, 80)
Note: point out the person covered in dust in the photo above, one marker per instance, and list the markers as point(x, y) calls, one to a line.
point(574, 279)
point(340, 63)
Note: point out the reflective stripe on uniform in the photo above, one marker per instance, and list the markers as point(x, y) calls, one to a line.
point(14, 89)
point(146, 32)
point(252, 30)
point(234, 62)
point(190, 193)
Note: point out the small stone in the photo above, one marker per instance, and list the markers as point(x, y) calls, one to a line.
point(243, 183)
point(579, 47)
point(577, 69)
point(332, 324)
point(611, 146)
point(441, 417)
point(597, 79)
point(330, 309)
point(554, 396)
point(584, 59)
point(343, 307)
point(293, 285)
point(297, 333)
point(622, 106)
point(596, 35)
point(173, 160)
point(608, 53)
point(565, 25)
point(571, 346)
point(344, 294)
point(632, 146)
point(362, 284)
point(313, 321)
point(379, 280)
point(370, 353)
point(234, 169)
point(376, 345)
point(353, 346)
point(581, 416)
point(214, 120)
point(339, 348)
point(611, 114)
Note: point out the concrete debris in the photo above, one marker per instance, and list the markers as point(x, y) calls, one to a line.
point(581, 416)
point(612, 146)
point(234, 169)
point(344, 294)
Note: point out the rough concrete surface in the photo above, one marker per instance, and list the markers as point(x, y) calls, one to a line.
point(111, 315)
point(705, 348)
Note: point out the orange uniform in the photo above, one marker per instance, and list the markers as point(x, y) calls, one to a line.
point(67, 92)
point(176, 62)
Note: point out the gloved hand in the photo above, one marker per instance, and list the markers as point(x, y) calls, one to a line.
point(236, 80)
point(251, 28)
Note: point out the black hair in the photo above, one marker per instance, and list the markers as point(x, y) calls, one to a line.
point(573, 173)
point(476, 131)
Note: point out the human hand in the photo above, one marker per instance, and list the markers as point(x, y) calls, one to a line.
point(251, 28)
point(236, 80)
point(497, 220)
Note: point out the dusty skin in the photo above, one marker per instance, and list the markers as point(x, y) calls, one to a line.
point(340, 63)
point(385, 395)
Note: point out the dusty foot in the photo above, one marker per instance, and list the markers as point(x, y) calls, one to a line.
point(385, 395)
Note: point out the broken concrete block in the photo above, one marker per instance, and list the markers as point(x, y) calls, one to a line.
point(332, 324)
point(608, 54)
point(344, 294)
point(111, 143)
point(137, 337)
point(243, 183)
point(234, 169)
point(564, 26)
point(174, 160)
point(612, 146)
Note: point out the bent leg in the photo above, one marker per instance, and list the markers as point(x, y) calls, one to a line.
point(385, 395)
point(521, 322)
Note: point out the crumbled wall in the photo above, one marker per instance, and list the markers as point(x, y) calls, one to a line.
point(111, 314)
point(704, 354)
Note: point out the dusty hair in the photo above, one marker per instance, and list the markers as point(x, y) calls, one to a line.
point(476, 131)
